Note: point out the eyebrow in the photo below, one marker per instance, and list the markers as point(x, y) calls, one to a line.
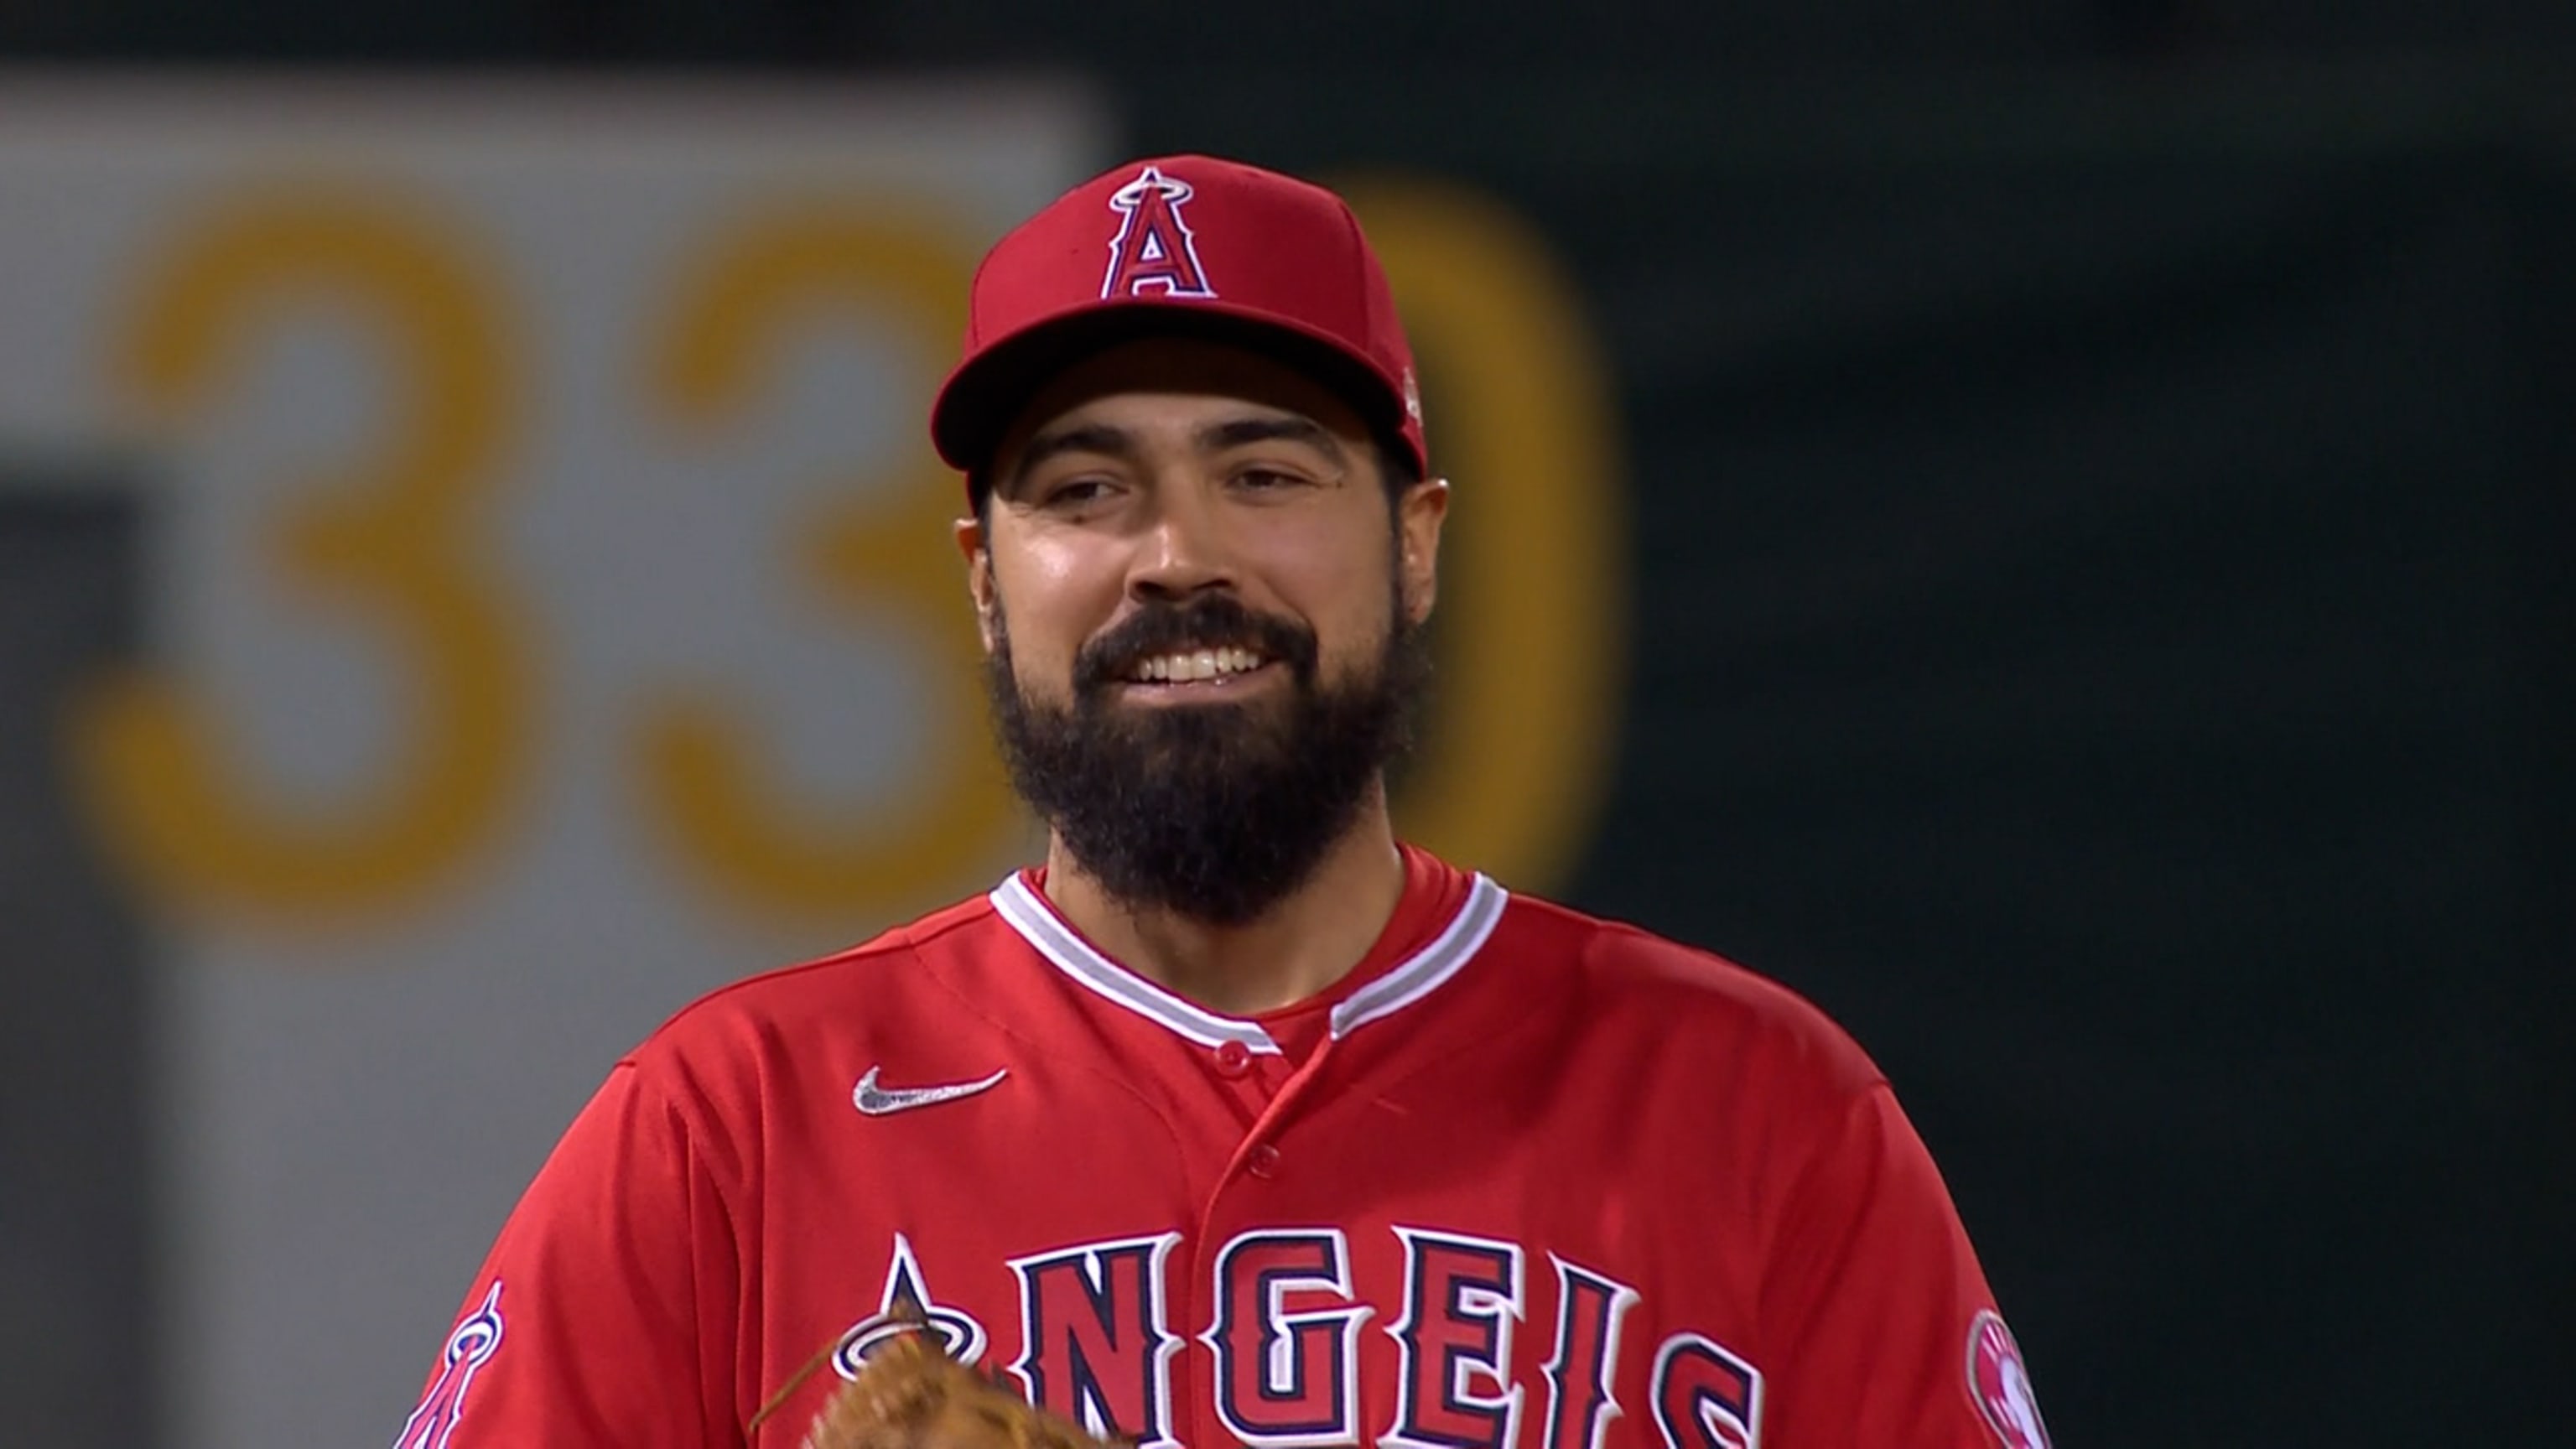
point(1283, 428)
point(1215, 437)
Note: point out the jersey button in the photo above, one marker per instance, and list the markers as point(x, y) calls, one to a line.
point(1233, 1059)
point(1262, 1161)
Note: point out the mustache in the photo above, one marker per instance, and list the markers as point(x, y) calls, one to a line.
point(1208, 621)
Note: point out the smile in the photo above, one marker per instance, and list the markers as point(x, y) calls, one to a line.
point(1194, 666)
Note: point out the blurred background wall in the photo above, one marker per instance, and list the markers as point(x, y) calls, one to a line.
point(2044, 526)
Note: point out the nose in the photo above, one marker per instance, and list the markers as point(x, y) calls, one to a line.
point(1183, 551)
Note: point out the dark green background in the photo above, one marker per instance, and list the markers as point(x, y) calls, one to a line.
point(2102, 620)
point(2101, 608)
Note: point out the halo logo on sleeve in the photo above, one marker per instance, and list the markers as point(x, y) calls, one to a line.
point(469, 1348)
point(2001, 1385)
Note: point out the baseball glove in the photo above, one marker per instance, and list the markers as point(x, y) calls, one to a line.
point(911, 1395)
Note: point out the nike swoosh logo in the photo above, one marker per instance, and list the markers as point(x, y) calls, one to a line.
point(876, 1101)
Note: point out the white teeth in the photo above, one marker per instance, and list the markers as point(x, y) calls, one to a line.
point(1202, 664)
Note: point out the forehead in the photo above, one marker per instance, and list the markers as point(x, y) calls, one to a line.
point(1177, 382)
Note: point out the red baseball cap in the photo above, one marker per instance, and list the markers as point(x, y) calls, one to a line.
point(1187, 245)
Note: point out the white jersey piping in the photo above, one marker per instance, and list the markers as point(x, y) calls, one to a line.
point(1412, 979)
point(1427, 969)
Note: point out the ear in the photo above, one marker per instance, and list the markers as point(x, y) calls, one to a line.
point(978, 554)
point(1418, 516)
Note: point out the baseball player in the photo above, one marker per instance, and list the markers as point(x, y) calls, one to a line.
point(1236, 1121)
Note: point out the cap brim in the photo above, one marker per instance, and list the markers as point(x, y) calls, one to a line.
point(986, 394)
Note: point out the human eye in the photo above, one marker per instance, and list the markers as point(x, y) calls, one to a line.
point(1074, 494)
point(1271, 478)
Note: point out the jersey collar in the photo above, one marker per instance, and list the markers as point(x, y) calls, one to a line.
point(1408, 981)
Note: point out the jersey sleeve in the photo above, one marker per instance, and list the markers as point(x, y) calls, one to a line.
point(1881, 1329)
point(588, 1323)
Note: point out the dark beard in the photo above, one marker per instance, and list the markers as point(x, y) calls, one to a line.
point(1215, 812)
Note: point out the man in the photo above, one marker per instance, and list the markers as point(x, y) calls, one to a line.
point(1236, 1122)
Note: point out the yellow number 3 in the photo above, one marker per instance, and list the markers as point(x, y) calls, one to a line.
point(880, 552)
point(388, 540)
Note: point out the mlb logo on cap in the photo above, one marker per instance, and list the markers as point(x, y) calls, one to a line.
point(1181, 245)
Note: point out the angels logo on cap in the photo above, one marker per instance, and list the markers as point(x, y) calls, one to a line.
point(2001, 1386)
point(1153, 251)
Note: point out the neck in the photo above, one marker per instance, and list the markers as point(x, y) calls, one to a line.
point(1309, 940)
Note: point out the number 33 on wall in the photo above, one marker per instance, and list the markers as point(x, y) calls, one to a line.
point(396, 540)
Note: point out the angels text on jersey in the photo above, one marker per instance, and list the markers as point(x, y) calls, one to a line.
point(1279, 1357)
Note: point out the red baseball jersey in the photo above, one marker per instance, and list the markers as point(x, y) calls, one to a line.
point(1524, 1178)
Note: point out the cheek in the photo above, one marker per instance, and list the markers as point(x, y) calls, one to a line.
point(1347, 588)
point(1049, 601)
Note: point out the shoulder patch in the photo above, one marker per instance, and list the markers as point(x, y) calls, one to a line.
point(469, 1348)
point(2000, 1384)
